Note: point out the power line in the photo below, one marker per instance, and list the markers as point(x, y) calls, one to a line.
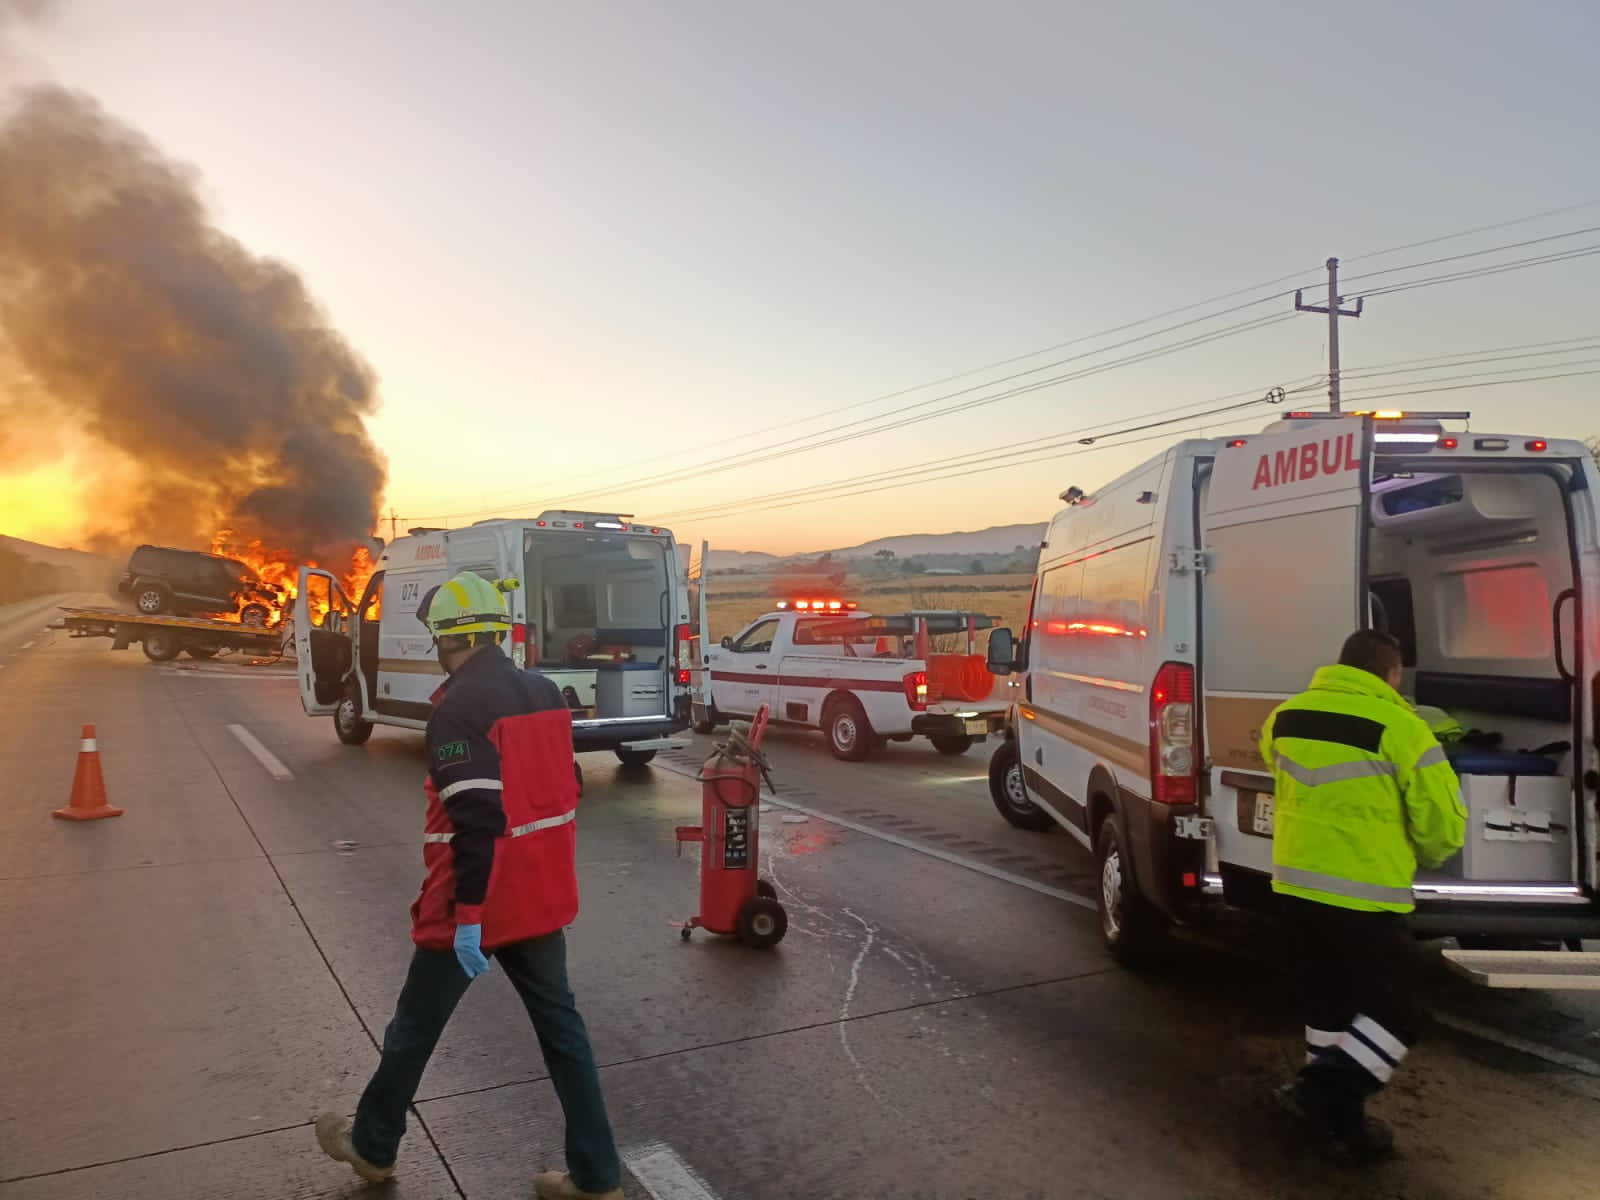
point(1003, 452)
point(1450, 237)
point(1483, 272)
point(821, 440)
point(733, 460)
point(743, 509)
point(908, 476)
point(1433, 262)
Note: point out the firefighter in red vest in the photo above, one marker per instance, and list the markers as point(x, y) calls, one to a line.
point(499, 847)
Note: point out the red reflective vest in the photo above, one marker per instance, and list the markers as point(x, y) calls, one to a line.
point(533, 885)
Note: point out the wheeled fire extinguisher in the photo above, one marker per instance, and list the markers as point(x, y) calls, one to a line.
point(733, 898)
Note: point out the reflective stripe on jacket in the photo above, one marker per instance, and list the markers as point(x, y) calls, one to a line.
point(1364, 793)
point(499, 841)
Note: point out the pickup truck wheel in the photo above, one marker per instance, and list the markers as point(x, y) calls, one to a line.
point(352, 728)
point(151, 599)
point(634, 758)
point(951, 743)
point(845, 725)
point(1009, 792)
point(1135, 931)
point(161, 645)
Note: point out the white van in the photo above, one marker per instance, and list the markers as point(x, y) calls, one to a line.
point(601, 606)
point(1176, 607)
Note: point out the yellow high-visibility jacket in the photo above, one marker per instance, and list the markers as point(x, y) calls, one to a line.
point(1364, 794)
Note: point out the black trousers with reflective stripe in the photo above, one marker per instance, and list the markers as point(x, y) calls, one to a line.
point(1362, 975)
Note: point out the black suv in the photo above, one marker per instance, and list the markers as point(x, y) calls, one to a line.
point(161, 579)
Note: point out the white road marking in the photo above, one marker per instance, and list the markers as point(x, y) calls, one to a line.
point(1549, 1054)
point(1560, 1058)
point(25, 646)
point(265, 757)
point(664, 1175)
point(971, 864)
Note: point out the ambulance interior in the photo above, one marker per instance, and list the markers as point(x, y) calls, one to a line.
point(599, 613)
point(1467, 570)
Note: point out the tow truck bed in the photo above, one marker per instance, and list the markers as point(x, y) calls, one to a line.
point(163, 638)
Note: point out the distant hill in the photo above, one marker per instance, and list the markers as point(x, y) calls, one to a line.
point(998, 539)
point(30, 569)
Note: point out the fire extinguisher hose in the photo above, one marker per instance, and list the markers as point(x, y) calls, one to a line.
point(737, 751)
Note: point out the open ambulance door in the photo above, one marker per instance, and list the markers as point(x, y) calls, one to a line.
point(1283, 523)
point(700, 680)
point(323, 640)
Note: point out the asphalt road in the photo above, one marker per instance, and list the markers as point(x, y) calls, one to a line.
point(189, 984)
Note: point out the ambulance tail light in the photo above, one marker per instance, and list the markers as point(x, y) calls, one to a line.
point(681, 656)
point(519, 644)
point(916, 685)
point(1537, 445)
point(1172, 760)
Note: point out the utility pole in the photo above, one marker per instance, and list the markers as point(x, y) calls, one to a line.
point(1334, 313)
point(394, 526)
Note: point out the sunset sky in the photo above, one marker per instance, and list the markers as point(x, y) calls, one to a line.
point(590, 247)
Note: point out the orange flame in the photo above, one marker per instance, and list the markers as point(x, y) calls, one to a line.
point(281, 569)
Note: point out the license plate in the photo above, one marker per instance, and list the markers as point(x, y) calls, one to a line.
point(1262, 821)
point(978, 726)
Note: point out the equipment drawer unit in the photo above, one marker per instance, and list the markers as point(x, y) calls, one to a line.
point(1518, 826)
point(628, 690)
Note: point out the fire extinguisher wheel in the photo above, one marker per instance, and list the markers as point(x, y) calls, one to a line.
point(763, 888)
point(762, 922)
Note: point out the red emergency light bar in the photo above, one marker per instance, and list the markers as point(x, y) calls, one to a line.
point(820, 606)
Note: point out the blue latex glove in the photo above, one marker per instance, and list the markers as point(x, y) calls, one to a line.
point(469, 950)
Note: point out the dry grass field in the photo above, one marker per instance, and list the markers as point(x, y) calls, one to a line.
point(735, 601)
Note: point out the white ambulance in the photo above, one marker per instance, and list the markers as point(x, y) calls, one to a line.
point(600, 606)
point(1176, 607)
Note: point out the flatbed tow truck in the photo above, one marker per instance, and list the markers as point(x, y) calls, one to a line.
point(163, 638)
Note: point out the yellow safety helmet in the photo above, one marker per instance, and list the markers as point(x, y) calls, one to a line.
point(468, 603)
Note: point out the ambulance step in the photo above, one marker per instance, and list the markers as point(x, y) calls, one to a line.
point(1570, 970)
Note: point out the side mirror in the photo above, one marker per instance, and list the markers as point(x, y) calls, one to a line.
point(1002, 652)
point(727, 643)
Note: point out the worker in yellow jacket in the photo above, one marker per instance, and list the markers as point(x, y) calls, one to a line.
point(1364, 794)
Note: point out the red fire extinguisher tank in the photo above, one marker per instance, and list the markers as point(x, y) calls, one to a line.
point(734, 900)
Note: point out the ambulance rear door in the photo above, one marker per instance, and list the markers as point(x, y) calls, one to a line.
point(1282, 519)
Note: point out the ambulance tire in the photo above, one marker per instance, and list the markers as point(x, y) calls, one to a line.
point(1134, 930)
point(951, 744)
point(762, 923)
point(844, 724)
point(634, 758)
point(161, 645)
point(348, 722)
point(1010, 793)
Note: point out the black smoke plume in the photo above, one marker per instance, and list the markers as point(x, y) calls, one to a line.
point(198, 385)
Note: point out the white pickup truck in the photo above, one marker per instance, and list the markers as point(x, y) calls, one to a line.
point(862, 680)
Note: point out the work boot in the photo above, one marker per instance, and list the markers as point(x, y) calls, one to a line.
point(333, 1135)
point(558, 1185)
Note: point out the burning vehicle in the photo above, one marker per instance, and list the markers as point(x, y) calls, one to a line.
point(165, 579)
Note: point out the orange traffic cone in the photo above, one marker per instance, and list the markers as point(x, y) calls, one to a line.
point(88, 801)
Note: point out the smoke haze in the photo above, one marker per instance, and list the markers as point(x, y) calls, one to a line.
point(197, 385)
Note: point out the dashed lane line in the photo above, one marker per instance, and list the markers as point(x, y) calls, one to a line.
point(262, 755)
point(664, 1175)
